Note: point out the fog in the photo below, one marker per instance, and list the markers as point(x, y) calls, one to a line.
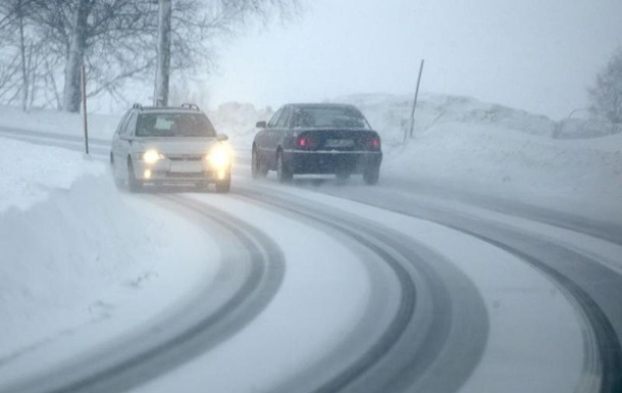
point(537, 55)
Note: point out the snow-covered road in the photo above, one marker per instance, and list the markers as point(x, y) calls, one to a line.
point(324, 286)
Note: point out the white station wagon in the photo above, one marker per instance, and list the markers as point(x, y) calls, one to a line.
point(169, 145)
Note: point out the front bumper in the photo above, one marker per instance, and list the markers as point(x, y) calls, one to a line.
point(179, 171)
point(330, 162)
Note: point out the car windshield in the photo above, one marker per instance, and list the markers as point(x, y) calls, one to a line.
point(174, 125)
point(329, 117)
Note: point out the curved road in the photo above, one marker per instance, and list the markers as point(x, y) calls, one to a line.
point(431, 321)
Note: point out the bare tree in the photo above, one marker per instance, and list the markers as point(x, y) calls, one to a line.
point(14, 30)
point(160, 96)
point(116, 40)
point(606, 95)
point(195, 24)
point(75, 56)
point(112, 37)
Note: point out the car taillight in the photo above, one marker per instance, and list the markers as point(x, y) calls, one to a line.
point(372, 143)
point(305, 142)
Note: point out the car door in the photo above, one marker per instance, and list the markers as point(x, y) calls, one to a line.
point(126, 135)
point(266, 144)
point(115, 148)
point(282, 130)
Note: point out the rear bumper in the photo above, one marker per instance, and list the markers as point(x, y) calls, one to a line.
point(330, 162)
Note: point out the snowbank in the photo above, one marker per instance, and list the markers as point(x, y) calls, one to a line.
point(29, 175)
point(494, 160)
point(238, 121)
point(390, 115)
point(47, 120)
point(72, 247)
point(464, 144)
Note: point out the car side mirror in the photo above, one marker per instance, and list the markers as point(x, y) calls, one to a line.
point(222, 137)
point(261, 124)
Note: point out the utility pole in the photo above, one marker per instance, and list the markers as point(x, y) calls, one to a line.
point(160, 95)
point(84, 114)
point(22, 47)
point(412, 114)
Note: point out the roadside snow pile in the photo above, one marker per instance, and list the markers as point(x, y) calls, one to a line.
point(582, 128)
point(390, 114)
point(56, 122)
point(489, 149)
point(498, 161)
point(28, 176)
point(71, 247)
point(238, 120)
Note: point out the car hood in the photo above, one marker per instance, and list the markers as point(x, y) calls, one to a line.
point(179, 145)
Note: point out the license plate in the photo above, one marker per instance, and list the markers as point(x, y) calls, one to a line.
point(186, 167)
point(339, 143)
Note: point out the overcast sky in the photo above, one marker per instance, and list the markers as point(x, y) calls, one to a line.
point(538, 55)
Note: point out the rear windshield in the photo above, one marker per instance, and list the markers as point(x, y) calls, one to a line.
point(329, 117)
point(174, 125)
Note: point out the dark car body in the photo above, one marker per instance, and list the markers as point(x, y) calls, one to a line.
point(317, 139)
point(169, 145)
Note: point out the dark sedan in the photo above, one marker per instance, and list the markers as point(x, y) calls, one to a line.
point(317, 139)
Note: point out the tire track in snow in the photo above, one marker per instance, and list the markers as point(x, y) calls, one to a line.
point(593, 288)
point(429, 327)
point(186, 332)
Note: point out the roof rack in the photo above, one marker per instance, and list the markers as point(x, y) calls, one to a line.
point(190, 106)
point(137, 106)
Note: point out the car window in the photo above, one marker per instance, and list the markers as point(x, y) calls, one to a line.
point(284, 119)
point(174, 125)
point(122, 123)
point(130, 125)
point(328, 117)
point(275, 118)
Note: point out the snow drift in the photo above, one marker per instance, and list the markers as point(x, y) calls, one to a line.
point(73, 249)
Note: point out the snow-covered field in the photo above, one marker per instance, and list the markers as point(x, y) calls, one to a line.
point(465, 144)
point(490, 160)
point(73, 250)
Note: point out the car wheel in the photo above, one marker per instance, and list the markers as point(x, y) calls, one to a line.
point(371, 175)
point(259, 171)
point(283, 173)
point(134, 184)
point(223, 186)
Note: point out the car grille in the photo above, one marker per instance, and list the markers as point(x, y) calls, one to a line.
point(185, 157)
point(175, 175)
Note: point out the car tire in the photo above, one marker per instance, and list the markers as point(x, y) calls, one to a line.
point(371, 175)
point(283, 173)
point(259, 171)
point(133, 184)
point(223, 186)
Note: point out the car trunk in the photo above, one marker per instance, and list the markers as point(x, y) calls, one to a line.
point(338, 140)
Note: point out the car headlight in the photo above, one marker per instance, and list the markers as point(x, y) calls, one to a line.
point(151, 156)
point(219, 157)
